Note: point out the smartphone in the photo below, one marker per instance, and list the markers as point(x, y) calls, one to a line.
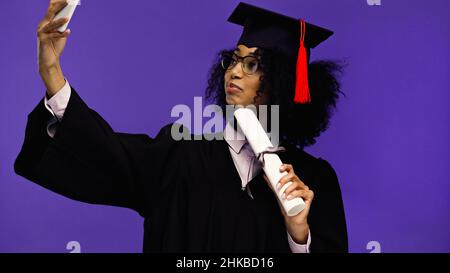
point(67, 12)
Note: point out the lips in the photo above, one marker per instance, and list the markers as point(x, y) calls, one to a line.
point(233, 87)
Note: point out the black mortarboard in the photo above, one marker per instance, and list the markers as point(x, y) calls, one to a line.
point(294, 37)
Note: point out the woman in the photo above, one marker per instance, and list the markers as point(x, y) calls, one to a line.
point(191, 192)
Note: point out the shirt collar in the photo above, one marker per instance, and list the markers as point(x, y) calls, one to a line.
point(234, 138)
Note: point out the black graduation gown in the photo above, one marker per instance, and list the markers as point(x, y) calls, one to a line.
point(189, 192)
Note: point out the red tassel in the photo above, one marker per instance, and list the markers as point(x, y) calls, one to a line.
point(301, 83)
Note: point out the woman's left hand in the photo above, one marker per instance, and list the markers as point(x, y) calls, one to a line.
point(296, 225)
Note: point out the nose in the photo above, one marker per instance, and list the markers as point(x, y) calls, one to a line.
point(236, 71)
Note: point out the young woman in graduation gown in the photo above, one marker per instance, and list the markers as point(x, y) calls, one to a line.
point(189, 192)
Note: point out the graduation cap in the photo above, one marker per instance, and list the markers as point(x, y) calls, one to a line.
point(294, 37)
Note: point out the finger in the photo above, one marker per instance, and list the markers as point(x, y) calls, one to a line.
point(307, 195)
point(291, 178)
point(291, 188)
point(286, 168)
point(295, 186)
point(56, 35)
point(54, 7)
point(54, 25)
point(285, 179)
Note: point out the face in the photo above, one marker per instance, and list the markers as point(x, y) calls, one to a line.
point(240, 87)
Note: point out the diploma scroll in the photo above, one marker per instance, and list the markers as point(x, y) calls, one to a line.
point(260, 143)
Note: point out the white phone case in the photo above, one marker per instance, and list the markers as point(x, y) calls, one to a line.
point(67, 12)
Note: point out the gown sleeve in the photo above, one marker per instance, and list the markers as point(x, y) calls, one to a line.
point(327, 216)
point(87, 161)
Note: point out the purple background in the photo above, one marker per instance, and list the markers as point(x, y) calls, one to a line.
point(389, 140)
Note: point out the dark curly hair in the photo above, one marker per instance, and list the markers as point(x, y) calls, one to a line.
point(300, 124)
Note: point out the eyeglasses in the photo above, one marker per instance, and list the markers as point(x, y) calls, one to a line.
point(250, 64)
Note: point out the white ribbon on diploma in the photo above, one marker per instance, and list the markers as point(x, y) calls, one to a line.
point(271, 162)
